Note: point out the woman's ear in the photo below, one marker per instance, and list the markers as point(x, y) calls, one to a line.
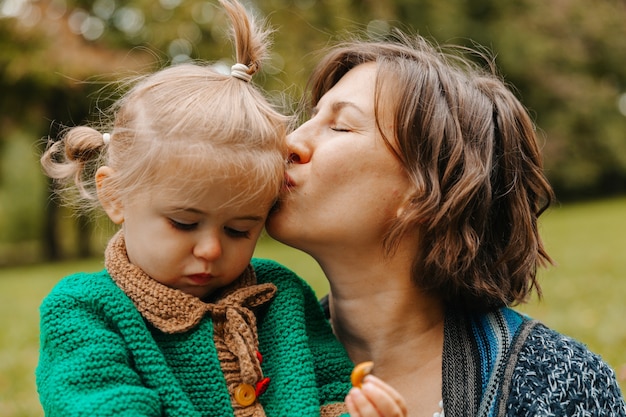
point(108, 196)
point(406, 200)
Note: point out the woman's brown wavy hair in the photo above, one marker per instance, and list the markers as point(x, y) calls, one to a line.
point(471, 152)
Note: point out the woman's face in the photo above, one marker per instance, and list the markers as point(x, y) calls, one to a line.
point(344, 186)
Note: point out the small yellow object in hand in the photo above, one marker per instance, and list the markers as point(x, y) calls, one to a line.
point(359, 372)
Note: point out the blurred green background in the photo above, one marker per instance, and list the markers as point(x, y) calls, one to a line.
point(62, 61)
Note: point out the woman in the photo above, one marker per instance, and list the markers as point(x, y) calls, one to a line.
point(417, 184)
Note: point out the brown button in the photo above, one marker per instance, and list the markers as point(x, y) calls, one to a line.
point(245, 395)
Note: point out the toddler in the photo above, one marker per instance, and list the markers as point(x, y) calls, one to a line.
point(182, 322)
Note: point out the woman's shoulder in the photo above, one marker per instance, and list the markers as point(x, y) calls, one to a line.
point(558, 374)
point(549, 351)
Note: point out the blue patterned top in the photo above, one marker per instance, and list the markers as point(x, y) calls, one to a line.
point(505, 364)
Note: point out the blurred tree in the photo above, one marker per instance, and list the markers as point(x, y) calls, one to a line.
point(44, 72)
point(567, 61)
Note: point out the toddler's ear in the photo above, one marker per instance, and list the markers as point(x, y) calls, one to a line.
point(107, 194)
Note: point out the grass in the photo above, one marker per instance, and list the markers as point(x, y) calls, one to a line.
point(584, 295)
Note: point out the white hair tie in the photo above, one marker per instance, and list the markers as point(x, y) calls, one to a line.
point(106, 138)
point(241, 71)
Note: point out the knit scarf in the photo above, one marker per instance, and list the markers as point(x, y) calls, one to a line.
point(479, 355)
point(173, 311)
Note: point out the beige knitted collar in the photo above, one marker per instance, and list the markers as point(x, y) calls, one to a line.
point(171, 310)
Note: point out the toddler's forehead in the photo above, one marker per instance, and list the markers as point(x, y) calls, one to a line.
point(234, 176)
point(193, 187)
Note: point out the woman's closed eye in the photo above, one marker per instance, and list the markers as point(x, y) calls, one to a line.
point(339, 129)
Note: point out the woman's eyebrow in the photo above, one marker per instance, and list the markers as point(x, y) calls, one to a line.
point(339, 105)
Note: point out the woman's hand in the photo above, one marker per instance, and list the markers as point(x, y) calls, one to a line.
point(375, 398)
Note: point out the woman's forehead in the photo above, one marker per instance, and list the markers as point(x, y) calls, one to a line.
point(355, 89)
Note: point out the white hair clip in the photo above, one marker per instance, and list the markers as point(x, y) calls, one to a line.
point(241, 71)
point(106, 138)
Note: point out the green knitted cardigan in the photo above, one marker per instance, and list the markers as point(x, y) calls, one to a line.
point(100, 356)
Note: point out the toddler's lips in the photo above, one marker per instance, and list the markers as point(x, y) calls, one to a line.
point(200, 279)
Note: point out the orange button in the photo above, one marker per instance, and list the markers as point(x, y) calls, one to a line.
point(244, 394)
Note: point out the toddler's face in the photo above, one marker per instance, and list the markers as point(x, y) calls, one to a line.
point(196, 242)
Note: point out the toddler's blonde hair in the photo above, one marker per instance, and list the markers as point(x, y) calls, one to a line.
point(187, 116)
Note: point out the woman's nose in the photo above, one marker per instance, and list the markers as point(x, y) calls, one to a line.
point(299, 146)
point(208, 248)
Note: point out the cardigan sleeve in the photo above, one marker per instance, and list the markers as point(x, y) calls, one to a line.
point(558, 376)
point(84, 367)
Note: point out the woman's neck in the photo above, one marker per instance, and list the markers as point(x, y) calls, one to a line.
point(379, 315)
point(386, 322)
point(377, 309)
